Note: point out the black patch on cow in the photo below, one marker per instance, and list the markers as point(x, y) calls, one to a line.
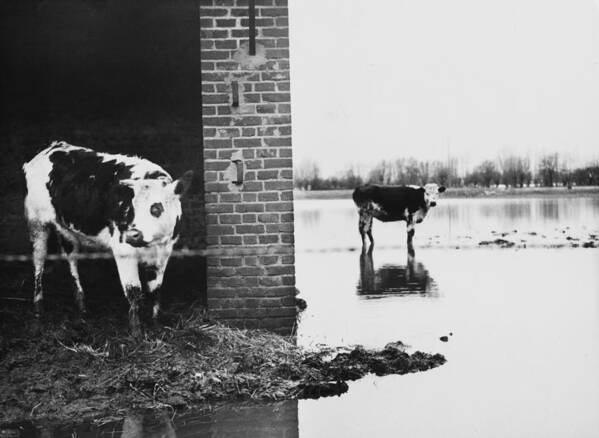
point(177, 228)
point(86, 192)
point(392, 199)
point(66, 245)
point(156, 209)
point(156, 174)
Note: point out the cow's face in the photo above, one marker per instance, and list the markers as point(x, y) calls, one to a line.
point(431, 193)
point(156, 209)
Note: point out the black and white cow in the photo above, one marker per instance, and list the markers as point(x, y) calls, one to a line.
point(124, 204)
point(393, 203)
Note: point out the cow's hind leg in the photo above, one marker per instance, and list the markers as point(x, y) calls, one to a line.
point(127, 266)
point(71, 251)
point(365, 228)
point(38, 234)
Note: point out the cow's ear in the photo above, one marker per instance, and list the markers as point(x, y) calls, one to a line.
point(182, 184)
point(441, 189)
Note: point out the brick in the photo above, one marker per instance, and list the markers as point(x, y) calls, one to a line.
point(265, 86)
point(267, 153)
point(276, 97)
point(226, 22)
point(276, 33)
point(277, 53)
point(213, 12)
point(226, 44)
point(284, 108)
point(268, 196)
point(247, 142)
point(216, 187)
point(280, 270)
point(268, 218)
point(273, 12)
point(268, 260)
point(253, 186)
point(216, 165)
point(287, 196)
point(211, 33)
point(206, 23)
point(250, 240)
point(252, 208)
point(215, 54)
point(279, 206)
point(268, 174)
point(230, 197)
point(233, 261)
point(278, 185)
point(216, 121)
point(249, 229)
point(271, 163)
point(267, 239)
point(266, 109)
point(209, 99)
point(287, 217)
point(230, 240)
point(219, 230)
point(277, 141)
point(230, 218)
point(248, 218)
point(279, 228)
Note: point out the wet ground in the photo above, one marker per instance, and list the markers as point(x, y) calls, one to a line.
point(518, 324)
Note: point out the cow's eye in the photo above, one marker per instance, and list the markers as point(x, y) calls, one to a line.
point(156, 209)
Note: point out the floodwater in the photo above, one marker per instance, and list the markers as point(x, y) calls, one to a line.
point(522, 323)
point(521, 326)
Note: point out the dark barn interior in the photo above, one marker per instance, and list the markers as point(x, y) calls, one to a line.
point(114, 75)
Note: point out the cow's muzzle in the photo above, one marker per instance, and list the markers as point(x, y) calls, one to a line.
point(135, 238)
point(433, 204)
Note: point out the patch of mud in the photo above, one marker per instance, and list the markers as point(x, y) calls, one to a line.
point(561, 238)
point(63, 369)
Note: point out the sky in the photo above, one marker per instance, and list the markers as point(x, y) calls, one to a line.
point(472, 79)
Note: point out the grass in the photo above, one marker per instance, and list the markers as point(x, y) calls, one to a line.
point(64, 369)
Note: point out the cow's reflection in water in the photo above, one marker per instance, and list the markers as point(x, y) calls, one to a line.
point(409, 279)
point(149, 424)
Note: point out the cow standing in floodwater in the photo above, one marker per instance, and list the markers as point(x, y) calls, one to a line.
point(393, 203)
point(128, 205)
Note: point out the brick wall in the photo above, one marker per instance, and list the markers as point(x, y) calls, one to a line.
point(247, 122)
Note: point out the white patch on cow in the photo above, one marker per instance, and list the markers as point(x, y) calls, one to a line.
point(431, 193)
point(38, 204)
point(155, 230)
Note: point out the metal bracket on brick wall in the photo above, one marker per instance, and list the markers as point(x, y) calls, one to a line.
point(239, 177)
point(252, 26)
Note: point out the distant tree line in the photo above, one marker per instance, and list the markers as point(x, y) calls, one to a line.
point(509, 170)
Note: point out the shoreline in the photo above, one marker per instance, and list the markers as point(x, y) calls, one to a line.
point(466, 192)
point(62, 369)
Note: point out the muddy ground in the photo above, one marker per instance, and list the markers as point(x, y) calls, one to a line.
point(64, 369)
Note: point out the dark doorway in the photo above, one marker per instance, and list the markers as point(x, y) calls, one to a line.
point(115, 75)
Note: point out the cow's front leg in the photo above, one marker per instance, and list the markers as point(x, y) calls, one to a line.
point(127, 265)
point(411, 231)
point(154, 277)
